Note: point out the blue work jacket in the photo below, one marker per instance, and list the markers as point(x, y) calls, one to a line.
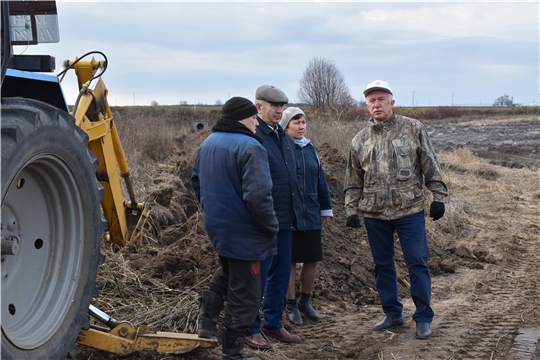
point(232, 182)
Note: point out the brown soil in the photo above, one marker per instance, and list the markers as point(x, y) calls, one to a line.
point(486, 287)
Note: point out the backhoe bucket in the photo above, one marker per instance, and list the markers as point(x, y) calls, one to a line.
point(123, 338)
point(136, 217)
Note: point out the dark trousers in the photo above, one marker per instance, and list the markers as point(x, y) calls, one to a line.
point(275, 273)
point(239, 283)
point(411, 231)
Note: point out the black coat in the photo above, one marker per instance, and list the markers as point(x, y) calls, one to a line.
point(286, 192)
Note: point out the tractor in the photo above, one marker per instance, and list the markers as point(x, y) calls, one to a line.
point(62, 169)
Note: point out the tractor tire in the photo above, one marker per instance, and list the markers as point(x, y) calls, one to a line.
point(51, 230)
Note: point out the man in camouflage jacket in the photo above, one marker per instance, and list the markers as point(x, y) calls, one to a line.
point(389, 163)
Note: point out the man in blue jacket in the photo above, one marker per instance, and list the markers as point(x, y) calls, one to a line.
point(275, 270)
point(232, 181)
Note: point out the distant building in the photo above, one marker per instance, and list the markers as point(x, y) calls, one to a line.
point(504, 100)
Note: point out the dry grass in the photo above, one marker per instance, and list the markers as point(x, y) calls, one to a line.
point(134, 296)
point(150, 142)
point(337, 135)
point(489, 200)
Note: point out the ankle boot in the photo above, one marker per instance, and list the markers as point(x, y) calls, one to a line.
point(233, 345)
point(305, 306)
point(211, 304)
point(291, 307)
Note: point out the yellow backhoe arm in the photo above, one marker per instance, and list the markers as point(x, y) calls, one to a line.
point(125, 218)
point(93, 114)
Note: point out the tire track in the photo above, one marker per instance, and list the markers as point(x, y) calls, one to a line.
point(477, 329)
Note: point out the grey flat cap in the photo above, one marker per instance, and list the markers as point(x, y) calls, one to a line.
point(271, 94)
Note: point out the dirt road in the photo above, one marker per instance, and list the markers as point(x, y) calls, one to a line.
point(489, 312)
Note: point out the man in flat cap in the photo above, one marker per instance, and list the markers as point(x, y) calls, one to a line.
point(389, 163)
point(232, 182)
point(275, 270)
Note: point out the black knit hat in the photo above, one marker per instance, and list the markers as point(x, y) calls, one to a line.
point(238, 108)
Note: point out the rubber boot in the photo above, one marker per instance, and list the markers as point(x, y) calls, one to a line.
point(305, 306)
point(233, 345)
point(211, 304)
point(291, 307)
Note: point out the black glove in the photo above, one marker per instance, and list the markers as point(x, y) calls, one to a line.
point(354, 222)
point(437, 210)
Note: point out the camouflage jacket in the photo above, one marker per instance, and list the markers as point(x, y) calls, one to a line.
point(387, 167)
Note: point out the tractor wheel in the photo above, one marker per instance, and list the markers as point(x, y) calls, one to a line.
point(51, 230)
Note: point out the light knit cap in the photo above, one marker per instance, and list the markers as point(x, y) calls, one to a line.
point(288, 114)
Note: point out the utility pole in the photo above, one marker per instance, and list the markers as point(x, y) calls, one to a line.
point(412, 98)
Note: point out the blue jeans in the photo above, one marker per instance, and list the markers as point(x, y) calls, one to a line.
point(411, 231)
point(275, 273)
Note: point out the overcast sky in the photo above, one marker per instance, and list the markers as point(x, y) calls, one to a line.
point(461, 53)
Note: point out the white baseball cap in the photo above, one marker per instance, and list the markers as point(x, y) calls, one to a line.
point(377, 85)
